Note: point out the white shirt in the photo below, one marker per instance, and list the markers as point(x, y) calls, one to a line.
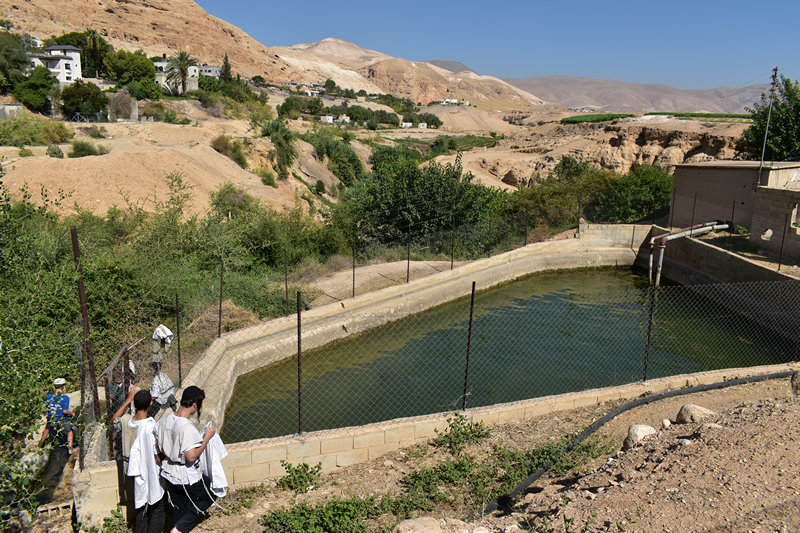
point(175, 436)
point(161, 388)
point(142, 466)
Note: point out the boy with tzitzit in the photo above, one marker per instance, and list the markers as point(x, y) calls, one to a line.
point(143, 468)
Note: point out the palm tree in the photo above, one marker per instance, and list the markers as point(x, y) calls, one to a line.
point(178, 69)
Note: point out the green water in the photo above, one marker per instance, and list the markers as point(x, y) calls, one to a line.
point(547, 334)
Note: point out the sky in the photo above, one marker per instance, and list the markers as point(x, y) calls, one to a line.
point(689, 45)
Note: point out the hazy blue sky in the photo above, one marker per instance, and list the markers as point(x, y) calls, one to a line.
point(690, 45)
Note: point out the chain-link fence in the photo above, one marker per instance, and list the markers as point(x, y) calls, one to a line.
point(547, 335)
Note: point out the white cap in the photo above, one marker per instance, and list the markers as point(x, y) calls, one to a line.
point(59, 382)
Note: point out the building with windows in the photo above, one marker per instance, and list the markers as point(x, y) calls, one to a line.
point(63, 61)
point(210, 71)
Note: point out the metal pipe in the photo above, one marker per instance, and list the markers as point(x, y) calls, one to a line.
point(452, 242)
point(661, 248)
point(694, 206)
point(732, 226)
point(408, 256)
point(469, 348)
point(178, 336)
point(650, 263)
point(221, 281)
point(783, 240)
point(354, 265)
point(649, 332)
point(285, 281)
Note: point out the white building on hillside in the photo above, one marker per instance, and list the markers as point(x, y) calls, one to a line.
point(210, 71)
point(64, 61)
point(192, 80)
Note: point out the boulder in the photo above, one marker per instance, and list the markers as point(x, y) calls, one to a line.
point(691, 413)
point(425, 524)
point(637, 432)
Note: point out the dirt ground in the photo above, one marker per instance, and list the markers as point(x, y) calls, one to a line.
point(741, 476)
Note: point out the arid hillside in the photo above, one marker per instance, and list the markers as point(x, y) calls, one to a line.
point(167, 26)
point(610, 95)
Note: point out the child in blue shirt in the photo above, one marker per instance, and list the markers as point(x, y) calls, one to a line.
point(57, 408)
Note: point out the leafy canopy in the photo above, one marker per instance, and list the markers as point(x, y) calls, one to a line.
point(783, 141)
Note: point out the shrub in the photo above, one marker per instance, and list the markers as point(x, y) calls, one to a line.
point(25, 152)
point(85, 148)
point(267, 176)
point(144, 89)
point(596, 117)
point(153, 109)
point(83, 97)
point(53, 150)
point(29, 130)
point(222, 144)
point(459, 433)
point(95, 133)
point(300, 478)
point(319, 187)
point(120, 104)
point(233, 149)
point(237, 154)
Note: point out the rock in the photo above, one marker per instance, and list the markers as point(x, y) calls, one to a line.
point(684, 442)
point(424, 524)
point(636, 432)
point(666, 423)
point(480, 529)
point(706, 429)
point(510, 178)
point(691, 413)
point(513, 528)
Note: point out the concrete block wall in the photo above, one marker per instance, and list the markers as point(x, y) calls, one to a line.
point(773, 206)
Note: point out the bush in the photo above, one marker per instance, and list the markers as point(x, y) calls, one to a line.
point(144, 89)
point(319, 187)
point(300, 478)
point(267, 176)
point(596, 117)
point(85, 148)
point(26, 129)
point(25, 152)
point(83, 97)
point(53, 150)
point(237, 154)
point(222, 144)
point(95, 133)
point(120, 104)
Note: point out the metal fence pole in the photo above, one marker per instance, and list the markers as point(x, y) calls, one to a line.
point(110, 429)
point(408, 256)
point(452, 241)
point(691, 226)
point(286, 280)
point(650, 313)
point(526, 227)
point(733, 225)
point(177, 335)
point(299, 370)
point(354, 266)
point(221, 282)
point(783, 240)
point(87, 344)
point(126, 370)
point(672, 207)
point(469, 348)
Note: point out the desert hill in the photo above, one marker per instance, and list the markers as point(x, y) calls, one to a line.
point(452, 66)
point(166, 26)
point(610, 95)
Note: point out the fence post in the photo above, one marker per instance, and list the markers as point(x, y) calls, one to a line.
point(299, 370)
point(110, 429)
point(672, 207)
point(452, 241)
point(469, 348)
point(126, 370)
point(87, 344)
point(354, 265)
point(650, 313)
point(733, 225)
point(783, 240)
point(286, 280)
point(408, 256)
point(526, 227)
point(221, 282)
point(691, 226)
point(177, 335)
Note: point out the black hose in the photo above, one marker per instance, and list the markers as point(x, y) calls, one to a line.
point(506, 501)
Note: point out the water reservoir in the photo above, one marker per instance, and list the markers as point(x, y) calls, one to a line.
point(546, 334)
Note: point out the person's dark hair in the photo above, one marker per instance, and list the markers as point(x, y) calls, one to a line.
point(142, 399)
point(155, 366)
point(193, 394)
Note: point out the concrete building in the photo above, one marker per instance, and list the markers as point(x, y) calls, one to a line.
point(64, 61)
point(210, 71)
point(764, 200)
point(161, 77)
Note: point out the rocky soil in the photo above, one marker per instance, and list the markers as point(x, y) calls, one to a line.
point(738, 470)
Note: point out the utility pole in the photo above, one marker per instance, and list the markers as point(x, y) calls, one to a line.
point(769, 116)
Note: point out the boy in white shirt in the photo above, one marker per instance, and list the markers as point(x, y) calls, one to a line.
point(181, 446)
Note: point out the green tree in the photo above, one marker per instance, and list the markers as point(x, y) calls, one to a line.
point(34, 91)
point(331, 87)
point(125, 67)
point(783, 141)
point(83, 97)
point(283, 140)
point(643, 191)
point(430, 119)
point(258, 80)
point(225, 72)
point(178, 69)
point(13, 60)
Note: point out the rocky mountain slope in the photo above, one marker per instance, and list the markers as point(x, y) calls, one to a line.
point(610, 95)
point(166, 26)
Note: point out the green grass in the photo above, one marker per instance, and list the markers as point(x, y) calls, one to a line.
point(700, 115)
point(445, 144)
point(595, 117)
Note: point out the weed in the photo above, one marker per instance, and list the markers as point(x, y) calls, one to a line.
point(267, 176)
point(460, 432)
point(85, 148)
point(243, 499)
point(25, 152)
point(300, 478)
point(53, 150)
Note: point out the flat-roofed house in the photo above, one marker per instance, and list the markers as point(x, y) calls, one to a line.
point(63, 61)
